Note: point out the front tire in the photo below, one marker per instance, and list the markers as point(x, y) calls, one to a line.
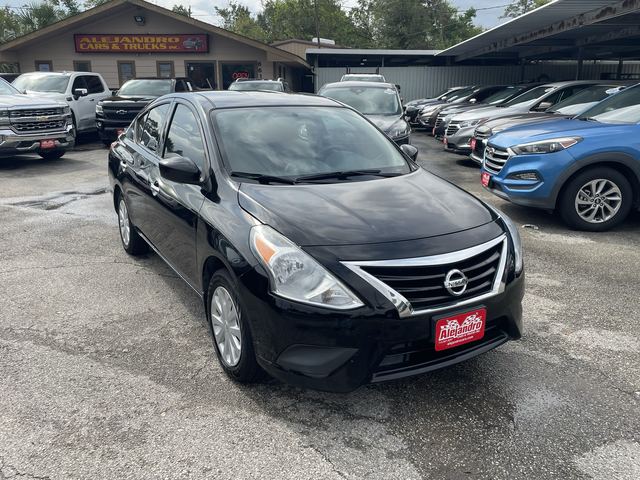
point(596, 200)
point(230, 329)
point(131, 241)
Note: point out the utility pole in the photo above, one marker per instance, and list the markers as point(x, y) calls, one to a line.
point(315, 6)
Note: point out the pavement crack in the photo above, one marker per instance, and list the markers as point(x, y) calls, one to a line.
point(327, 459)
point(8, 471)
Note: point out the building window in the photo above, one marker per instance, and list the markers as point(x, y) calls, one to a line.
point(165, 69)
point(126, 71)
point(44, 66)
point(82, 65)
point(234, 71)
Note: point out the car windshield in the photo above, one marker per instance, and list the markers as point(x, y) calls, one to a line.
point(362, 78)
point(528, 96)
point(254, 86)
point(6, 89)
point(504, 94)
point(367, 100)
point(585, 97)
point(463, 92)
point(42, 83)
point(623, 107)
point(298, 141)
point(146, 88)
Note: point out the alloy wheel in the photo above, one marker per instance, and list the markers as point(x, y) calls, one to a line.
point(123, 221)
point(598, 200)
point(225, 321)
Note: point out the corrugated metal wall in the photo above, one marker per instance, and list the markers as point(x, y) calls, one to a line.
point(420, 82)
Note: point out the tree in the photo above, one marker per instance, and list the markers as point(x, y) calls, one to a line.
point(33, 16)
point(93, 3)
point(520, 7)
point(238, 18)
point(182, 10)
point(413, 24)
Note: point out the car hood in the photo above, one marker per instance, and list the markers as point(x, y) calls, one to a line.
point(555, 129)
point(502, 123)
point(408, 207)
point(117, 99)
point(384, 122)
point(29, 101)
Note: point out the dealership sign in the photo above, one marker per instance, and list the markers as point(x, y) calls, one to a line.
point(149, 43)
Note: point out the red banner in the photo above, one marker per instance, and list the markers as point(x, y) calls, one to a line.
point(135, 43)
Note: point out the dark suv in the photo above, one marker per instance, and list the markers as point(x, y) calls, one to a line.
point(324, 254)
point(114, 114)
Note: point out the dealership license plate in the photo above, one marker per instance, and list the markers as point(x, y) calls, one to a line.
point(47, 144)
point(473, 144)
point(459, 329)
point(485, 179)
point(445, 141)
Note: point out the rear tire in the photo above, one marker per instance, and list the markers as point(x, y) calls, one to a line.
point(596, 200)
point(231, 333)
point(51, 154)
point(132, 242)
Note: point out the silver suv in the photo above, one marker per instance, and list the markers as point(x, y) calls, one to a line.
point(29, 124)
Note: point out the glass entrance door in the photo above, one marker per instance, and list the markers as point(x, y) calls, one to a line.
point(202, 74)
point(232, 71)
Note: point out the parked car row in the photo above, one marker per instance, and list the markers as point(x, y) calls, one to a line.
point(568, 147)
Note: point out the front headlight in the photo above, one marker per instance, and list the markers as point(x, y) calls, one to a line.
point(4, 116)
point(428, 111)
point(399, 129)
point(66, 110)
point(515, 238)
point(471, 123)
point(546, 146)
point(99, 110)
point(297, 276)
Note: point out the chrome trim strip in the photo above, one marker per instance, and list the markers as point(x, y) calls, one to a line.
point(403, 305)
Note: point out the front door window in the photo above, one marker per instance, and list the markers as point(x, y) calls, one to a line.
point(233, 71)
point(202, 74)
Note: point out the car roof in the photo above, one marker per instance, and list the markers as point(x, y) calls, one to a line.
point(248, 98)
point(362, 75)
point(60, 74)
point(359, 84)
point(570, 82)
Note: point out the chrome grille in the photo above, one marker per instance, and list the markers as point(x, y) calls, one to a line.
point(495, 159)
point(420, 282)
point(28, 113)
point(439, 120)
point(39, 126)
point(452, 128)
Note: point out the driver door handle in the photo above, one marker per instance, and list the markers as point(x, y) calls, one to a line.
point(155, 188)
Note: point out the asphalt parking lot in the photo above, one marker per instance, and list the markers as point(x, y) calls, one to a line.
point(107, 371)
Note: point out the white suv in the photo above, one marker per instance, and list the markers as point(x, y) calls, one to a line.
point(80, 90)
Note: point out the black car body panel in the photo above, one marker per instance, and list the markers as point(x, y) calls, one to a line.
point(386, 210)
point(198, 229)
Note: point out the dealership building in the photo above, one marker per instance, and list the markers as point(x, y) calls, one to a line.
point(122, 39)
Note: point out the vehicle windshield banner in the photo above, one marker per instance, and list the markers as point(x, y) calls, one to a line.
point(148, 43)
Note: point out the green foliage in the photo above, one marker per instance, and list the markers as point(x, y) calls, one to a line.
point(35, 15)
point(237, 18)
point(93, 3)
point(413, 24)
point(520, 7)
point(182, 10)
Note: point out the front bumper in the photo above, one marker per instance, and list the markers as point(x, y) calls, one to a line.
point(405, 140)
point(539, 193)
point(340, 351)
point(108, 129)
point(12, 142)
point(459, 142)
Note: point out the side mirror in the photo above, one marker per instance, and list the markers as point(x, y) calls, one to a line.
point(542, 106)
point(410, 151)
point(397, 87)
point(180, 170)
point(473, 100)
point(80, 92)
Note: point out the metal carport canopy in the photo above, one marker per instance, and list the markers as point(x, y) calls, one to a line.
point(560, 30)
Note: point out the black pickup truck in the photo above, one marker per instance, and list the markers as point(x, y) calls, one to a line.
point(114, 114)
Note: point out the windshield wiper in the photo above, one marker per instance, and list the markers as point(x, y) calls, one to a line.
point(343, 175)
point(260, 178)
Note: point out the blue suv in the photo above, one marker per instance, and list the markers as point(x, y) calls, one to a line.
point(587, 168)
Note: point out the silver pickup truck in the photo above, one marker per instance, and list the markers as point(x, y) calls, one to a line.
point(33, 125)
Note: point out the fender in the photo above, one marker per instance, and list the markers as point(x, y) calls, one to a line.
point(619, 158)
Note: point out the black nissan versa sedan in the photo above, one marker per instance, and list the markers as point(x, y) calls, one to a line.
point(324, 255)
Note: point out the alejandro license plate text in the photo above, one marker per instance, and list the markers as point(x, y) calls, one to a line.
point(460, 329)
